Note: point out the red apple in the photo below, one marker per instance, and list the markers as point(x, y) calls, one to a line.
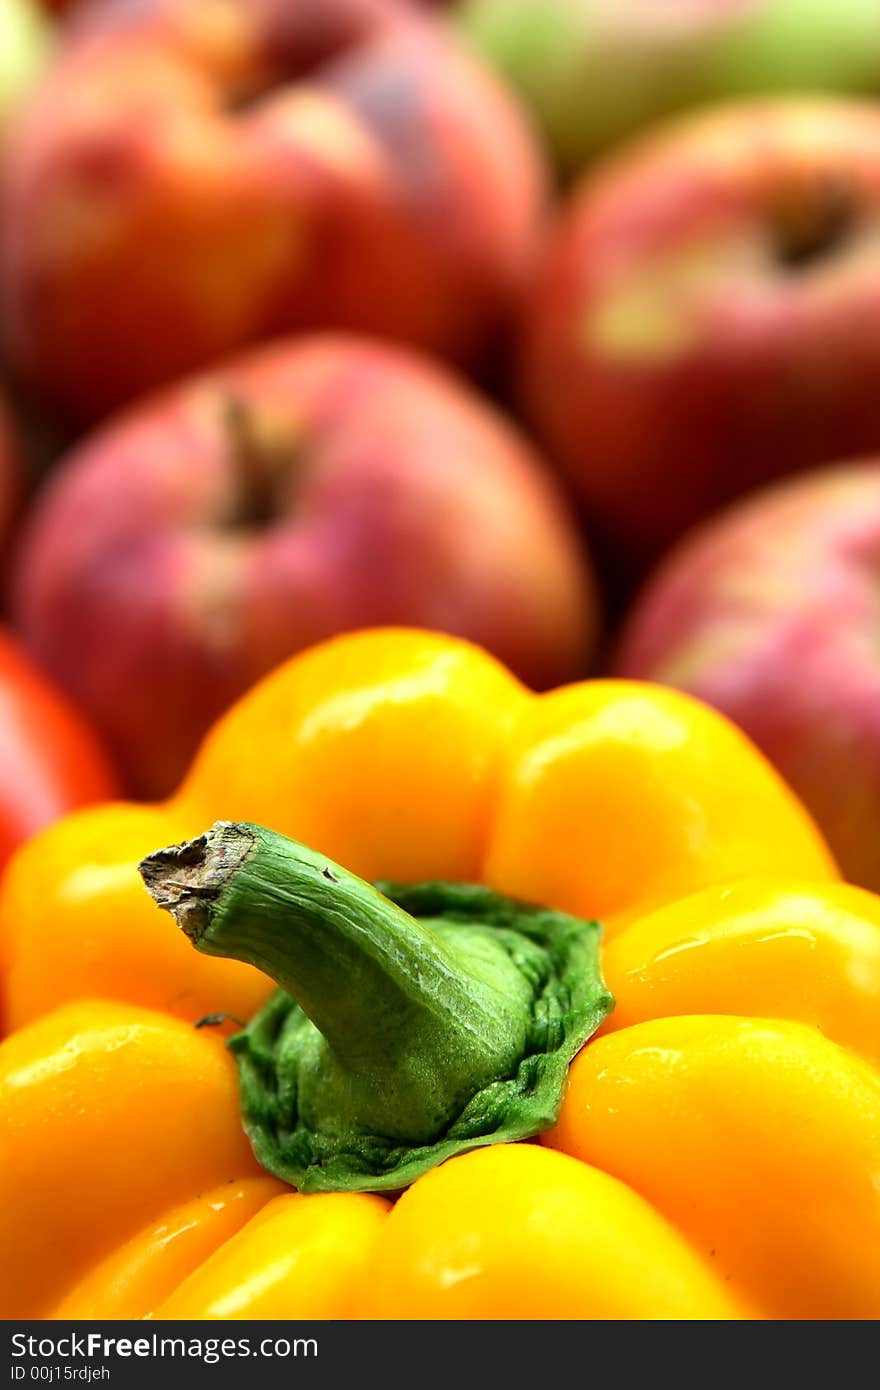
point(707, 317)
point(25, 41)
point(308, 488)
point(772, 614)
point(50, 760)
point(10, 476)
point(199, 174)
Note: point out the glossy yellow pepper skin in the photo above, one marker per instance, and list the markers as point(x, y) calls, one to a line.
point(719, 1139)
point(772, 948)
point(410, 756)
point(758, 1138)
point(125, 1169)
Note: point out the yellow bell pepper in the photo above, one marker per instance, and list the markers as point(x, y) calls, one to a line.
point(716, 1150)
point(410, 756)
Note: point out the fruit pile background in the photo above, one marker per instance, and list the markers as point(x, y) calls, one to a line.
point(553, 324)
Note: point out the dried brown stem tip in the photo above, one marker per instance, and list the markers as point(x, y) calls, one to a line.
point(184, 879)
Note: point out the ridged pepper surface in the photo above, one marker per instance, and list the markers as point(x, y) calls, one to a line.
point(711, 1153)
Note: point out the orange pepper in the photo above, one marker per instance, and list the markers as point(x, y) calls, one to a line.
point(721, 1136)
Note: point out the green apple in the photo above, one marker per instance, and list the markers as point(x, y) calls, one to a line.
point(25, 37)
point(595, 70)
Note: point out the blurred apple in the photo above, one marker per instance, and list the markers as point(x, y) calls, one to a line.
point(772, 614)
point(24, 49)
point(50, 760)
point(594, 71)
point(306, 489)
point(707, 317)
point(199, 174)
point(10, 476)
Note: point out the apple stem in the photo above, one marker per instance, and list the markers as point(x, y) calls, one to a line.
point(261, 453)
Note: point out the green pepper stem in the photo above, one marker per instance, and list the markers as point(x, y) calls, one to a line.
point(395, 1040)
point(412, 1028)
